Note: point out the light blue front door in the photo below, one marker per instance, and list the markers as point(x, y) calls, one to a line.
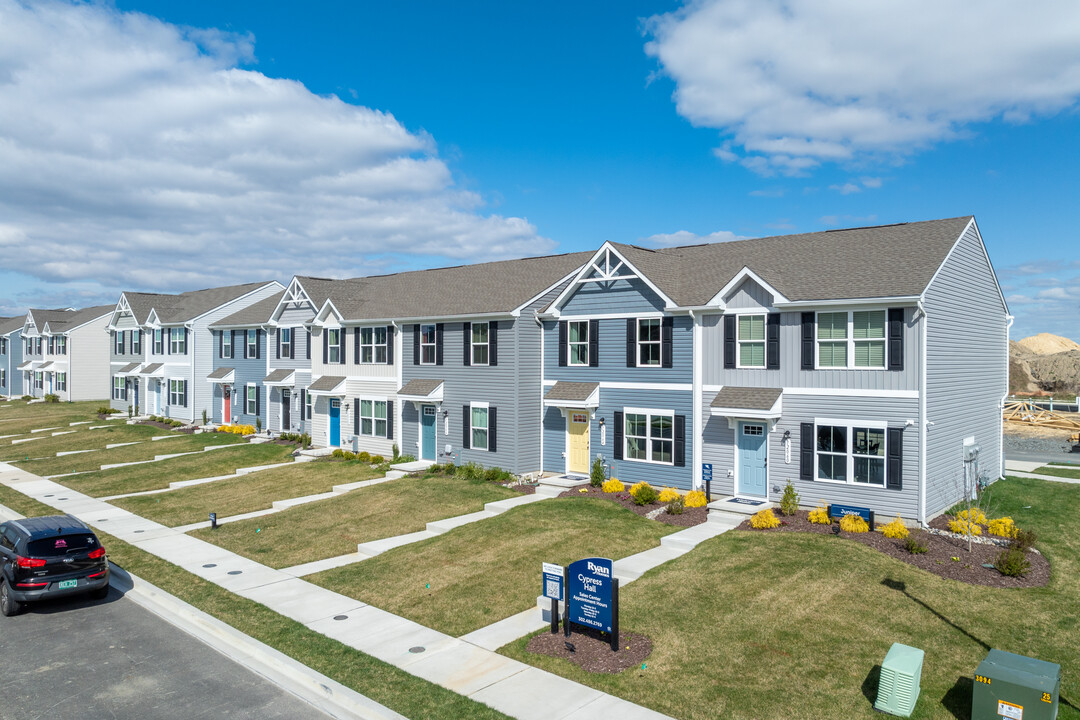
point(752, 460)
point(427, 436)
point(335, 423)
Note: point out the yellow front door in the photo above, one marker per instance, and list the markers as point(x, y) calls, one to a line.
point(578, 459)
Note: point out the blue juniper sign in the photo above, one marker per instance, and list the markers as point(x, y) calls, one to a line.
point(837, 510)
point(589, 593)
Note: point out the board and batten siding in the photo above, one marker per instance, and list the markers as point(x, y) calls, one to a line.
point(295, 318)
point(749, 295)
point(611, 347)
point(245, 371)
point(966, 370)
point(619, 296)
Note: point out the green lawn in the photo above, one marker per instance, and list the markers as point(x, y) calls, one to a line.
point(489, 570)
point(1059, 471)
point(336, 526)
point(396, 689)
point(158, 475)
point(753, 625)
point(130, 453)
point(21, 418)
point(80, 439)
point(256, 491)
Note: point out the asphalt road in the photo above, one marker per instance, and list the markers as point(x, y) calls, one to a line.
point(85, 659)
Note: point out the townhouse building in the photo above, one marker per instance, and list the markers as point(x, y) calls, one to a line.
point(11, 349)
point(65, 353)
point(241, 363)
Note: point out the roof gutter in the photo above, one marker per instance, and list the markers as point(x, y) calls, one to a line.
point(897, 299)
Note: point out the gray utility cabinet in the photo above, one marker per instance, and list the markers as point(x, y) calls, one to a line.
point(1015, 687)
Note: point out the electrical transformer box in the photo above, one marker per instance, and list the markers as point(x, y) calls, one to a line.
point(1015, 687)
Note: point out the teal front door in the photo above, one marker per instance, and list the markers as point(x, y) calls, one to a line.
point(753, 459)
point(335, 423)
point(427, 433)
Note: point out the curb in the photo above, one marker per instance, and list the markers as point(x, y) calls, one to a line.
point(314, 688)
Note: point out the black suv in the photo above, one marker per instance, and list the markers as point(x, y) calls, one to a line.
point(49, 557)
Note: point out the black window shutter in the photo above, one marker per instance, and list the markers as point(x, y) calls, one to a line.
point(184, 384)
point(389, 419)
point(438, 343)
point(618, 434)
point(493, 343)
point(466, 427)
point(232, 343)
point(562, 343)
point(185, 352)
point(303, 404)
point(894, 471)
point(808, 341)
point(631, 342)
point(729, 341)
point(166, 337)
point(667, 330)
point(277, 342)
point(493, 423)
point(772, 341)
point(307, 335)
point(258, 400)
point(221, 344)
point(896, 338)
point(415, 344)
point(356, 346)
point(680, 441)
point(258, 344)
point(341, 346)
point(325, 346)
point(466, 334)
point(356, 416)
point(293, 339)
point(594, 343)
point(389, 345)
point(806, 451)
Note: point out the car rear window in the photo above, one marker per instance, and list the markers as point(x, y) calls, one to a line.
point(61, 545)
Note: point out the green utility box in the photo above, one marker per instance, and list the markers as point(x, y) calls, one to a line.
point(901, 677)
point(1015, 687)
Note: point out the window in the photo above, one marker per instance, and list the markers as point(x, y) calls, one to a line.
point(577, 335)
point(649, 436)
point(851, 340)
point(480, 343)
point(118, 342)
point(178, 393)
point(860, 461)
point(39, 380)
point(285, 340)
point(119, 390)
point(251, 348)
point(427, 345)
point(479, 417)
point(177, 341)
point(226, 344)
point(3, 377)
point(3, 346)
point(251, 400)
point(751, 341)
point(37, 346)
point(373, 418)
point(333, 346)
point(159, 343)
point(61, 345)
point(373, 345)
point(648, 338)
point(307, 406)
point(136, 343)
point(61, 382)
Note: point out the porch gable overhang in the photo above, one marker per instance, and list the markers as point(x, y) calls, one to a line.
point(152, 370)
point(422, 390)
point(128, 370)
point(327, 386)
point(746, 403)
point(573, 395)
point(280, 378)
point(222, 376)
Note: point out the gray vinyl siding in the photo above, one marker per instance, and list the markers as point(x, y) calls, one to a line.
point(295, 319)
point(88, 373)
point(612, 351)
point(791, 373)
point(10, 361)
point(966, 370)
point(620, 296)
point(246, 371)
point(749, 295)
point(719, 443)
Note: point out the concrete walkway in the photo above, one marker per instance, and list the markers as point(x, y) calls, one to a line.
point(1023, 468)
point(512, 687)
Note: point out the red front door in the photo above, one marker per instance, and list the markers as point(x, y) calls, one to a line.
point(226, 413)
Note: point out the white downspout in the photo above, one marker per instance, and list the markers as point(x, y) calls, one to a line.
point(923, 421)
point(540, 324)
point(191, 395)
point(399, 343)
point(699, 424)
point(1001, 407)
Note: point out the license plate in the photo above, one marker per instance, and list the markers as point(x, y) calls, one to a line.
point(67, 584)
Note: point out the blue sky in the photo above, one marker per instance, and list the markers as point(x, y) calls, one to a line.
point(197, 143)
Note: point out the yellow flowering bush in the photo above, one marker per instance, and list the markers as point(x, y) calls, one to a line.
point(895, 529)
point(1002, 527)
point(820, 516)
point(853, 523)
point(643, 493)
point(964, 527)
point(975, 516)
point(613, 485)
point(668, 494)
point(695, 498)
point(237, 429)
point(764, 519)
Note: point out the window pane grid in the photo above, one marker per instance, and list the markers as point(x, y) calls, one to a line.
point(479, 428)
point(578, 340)
point(427, 344)
point(649, 341)
point(649, 437)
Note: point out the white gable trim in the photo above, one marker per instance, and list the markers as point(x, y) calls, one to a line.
point(273, 283)
point(733, 284)
point(986, 256)
point(327, 308)
point(295, 295)
point(517, 311)
point(122, 307)
point(602, 263)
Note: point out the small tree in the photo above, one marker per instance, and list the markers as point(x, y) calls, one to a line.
point(967, 516)
point(596, 477)
point(204, 420)
point(129, 412)
point(258, 424)
point(789, 503)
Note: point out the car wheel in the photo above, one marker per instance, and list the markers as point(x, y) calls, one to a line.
point(8, 605)
point(100, 593)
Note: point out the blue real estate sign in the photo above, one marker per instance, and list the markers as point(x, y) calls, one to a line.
point(553, 581)
point(588, 593)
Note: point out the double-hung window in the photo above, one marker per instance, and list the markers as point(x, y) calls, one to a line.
point(373, 418)
point(428, 341)
point(119, 389)
point(251, 347)
point(177, 341)
point(226, 344)
point(3, 346)
point(577, 336)
point(479, 343)
point(649, 436)
point(39, 381)
point(307, 405)
point(136, 343)
point(61, 382)
point(333, 346)
point(251, 400)
point(648, 339)
point(61, 345)
point(118, 342)
point(285, 338)
point(373, 345)
point(178, 393)
point(479, 421)
point(751, 341)
point(37, 345)
point(159, 342)
point(3, 378)
point(851, 339)
point(851, 452)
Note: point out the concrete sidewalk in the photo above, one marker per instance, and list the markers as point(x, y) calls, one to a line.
point(1023, 468)
point(512, 687)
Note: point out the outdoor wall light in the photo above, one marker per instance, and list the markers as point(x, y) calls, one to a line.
point(601, 422)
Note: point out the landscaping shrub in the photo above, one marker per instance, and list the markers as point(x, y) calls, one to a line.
point(895, 529)
point(231, 429)
point(338, 453)
point(668, 494)
point(914, 547)
point(31, 397)
point(497, 475)
point(789, 503)
point(963, 526)
point(364, 456)
point(676, 506)
point(395, 452)
point(52, 398)
point(1002, 527)
point(204, 418)
point(853, 523)
point(471, 471)
point(975, 516)
point(449, 469)
point(404, 459)
point(644, 493)
point(1012, 562)
point(695, 498)
point(179, 423)
point(613, 485)
point(820, 516)
point(764, 519)
point(350, 455)
point(596, 476)
point(1023, 540)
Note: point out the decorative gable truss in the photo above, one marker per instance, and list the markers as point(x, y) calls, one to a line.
point(608, 266)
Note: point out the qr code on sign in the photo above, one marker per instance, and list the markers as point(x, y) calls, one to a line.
point(552, 590)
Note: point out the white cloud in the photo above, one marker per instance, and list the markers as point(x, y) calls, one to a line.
point(795, 83)
point(138, 154)
point(685, 237)
point(1041, 300)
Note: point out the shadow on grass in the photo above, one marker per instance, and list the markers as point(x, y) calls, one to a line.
point(958, 700)
point(901, 587)
point(870, 684)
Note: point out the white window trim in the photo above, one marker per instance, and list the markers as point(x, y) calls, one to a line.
point(177, 345)
point(119, 388)
point(658, 343)
point(226, 344)
point(309, 406)
point(251, 344)
point(374, 346)
point(158, 341)
point(649, 413)
point(333, 346)
point(486, 428)
point(764, 342)
point(251, 403)
point(60, 381)
point(372, 417)
point(136, 344)
point(850, 340)
point(285, 345)
point(570, 344)
point(180, 393)
point(118, 343)
point(473, 344)
point(850, 425)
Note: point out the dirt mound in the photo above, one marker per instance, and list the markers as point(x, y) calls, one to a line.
point(1047, 344)
point(1020, 378)
point(1059, 372)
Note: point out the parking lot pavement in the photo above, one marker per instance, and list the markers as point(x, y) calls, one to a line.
point(84, 659)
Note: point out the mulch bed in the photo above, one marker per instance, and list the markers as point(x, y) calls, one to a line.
point(155, 423)
point(524, 489)
point(592, 649)
point(689, 518)
point(938, 558)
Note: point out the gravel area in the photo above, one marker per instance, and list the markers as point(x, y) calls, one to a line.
point(1048, 445)
point(592, 649)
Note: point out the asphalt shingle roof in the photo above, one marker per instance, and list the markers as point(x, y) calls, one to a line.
point(175, 309)
point(327, 383)
point(61, 320)
point(254, 314)
point(219, 373)
point(279, 375)
point(420, 388)
point(746, 398)
point(571, 391)
point(11, 324)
